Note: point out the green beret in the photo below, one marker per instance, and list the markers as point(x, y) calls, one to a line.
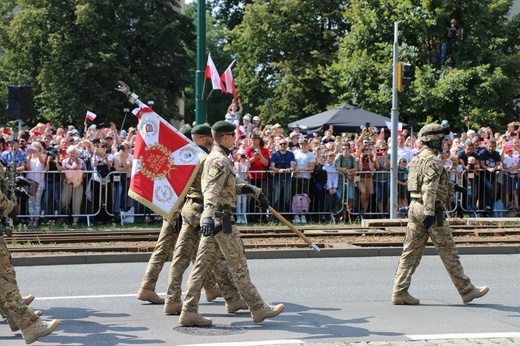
point(201, 130)
point(186, 131)
point(223, 126)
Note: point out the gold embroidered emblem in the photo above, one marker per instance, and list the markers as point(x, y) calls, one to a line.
point(157, 162)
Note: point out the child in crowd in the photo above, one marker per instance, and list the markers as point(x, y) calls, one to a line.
point(332, 197)
point(470, 183)
point(454, 175)
point(402, 178)
point(242, 170)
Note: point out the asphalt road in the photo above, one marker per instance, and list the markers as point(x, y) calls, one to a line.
point(328, 301)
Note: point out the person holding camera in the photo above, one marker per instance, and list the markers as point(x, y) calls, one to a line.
point(382, 177)
point(52, 181)
point(451, 34)
point(258, 156)
point(102, 163)
point(365, 184)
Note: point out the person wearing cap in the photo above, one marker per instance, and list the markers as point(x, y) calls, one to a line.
point(294, 143)
point(247, 127)
point(186, 131)
point(258, 156)
point(256, 121)
point(220, 187)
point(185, 245)
point(15, 154)
point(282, 164)
point(296, 132)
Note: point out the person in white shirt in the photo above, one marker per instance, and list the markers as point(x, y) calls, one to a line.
point(332, 195)
point(305, 162)
point(511, 163)
point(403, 152)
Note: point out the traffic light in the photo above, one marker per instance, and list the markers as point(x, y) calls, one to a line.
point(402, 69)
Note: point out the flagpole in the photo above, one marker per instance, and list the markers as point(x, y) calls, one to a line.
point(200, 104)
point(209, 95)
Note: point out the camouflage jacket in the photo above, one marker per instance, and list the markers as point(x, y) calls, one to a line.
point(428, 181)
point(220, 186)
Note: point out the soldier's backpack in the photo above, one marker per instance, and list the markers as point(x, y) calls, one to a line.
point(300, 203)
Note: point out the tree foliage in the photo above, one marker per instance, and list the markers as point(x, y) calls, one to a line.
point(483, 82)
point(73, 53)
point(280, 47)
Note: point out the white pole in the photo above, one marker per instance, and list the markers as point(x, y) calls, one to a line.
point(395, 121)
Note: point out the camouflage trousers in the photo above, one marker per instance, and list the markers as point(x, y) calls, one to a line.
point(11, 303)
point(231, 255)
point(185, 252)
point(163, 249)
point(413, 250)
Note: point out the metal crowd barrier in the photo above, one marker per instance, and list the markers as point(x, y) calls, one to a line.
point(364, 194)
point(94, 199)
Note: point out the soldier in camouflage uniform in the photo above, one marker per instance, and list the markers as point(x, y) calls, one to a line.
point(188, 241)
point(431, 192)
point(162, 251)
point(220, 188)
point(12, 306)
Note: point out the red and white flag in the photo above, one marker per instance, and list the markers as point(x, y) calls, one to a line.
point(211, 72)
point(91, 116)
point(227, 79)
point(164, 165)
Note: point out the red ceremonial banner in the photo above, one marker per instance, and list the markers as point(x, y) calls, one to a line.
point(164, 165)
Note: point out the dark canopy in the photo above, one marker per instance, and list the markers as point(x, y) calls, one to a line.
point(345, 118)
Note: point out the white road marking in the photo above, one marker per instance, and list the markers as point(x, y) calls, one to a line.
point(90, 297)
point(463, 336)
point(253, 343)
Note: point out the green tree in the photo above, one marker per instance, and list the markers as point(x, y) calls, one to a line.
point(281, 46)
point(481, 84)
point(73, 53)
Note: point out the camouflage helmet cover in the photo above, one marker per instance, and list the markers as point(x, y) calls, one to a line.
point(431, 132)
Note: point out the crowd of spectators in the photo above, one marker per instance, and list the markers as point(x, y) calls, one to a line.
point(68, 171)
point(288, 162)
point(305, 175)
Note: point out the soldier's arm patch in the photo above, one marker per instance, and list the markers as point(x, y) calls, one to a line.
point(216, 169)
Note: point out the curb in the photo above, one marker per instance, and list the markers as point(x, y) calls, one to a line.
point(256, 254)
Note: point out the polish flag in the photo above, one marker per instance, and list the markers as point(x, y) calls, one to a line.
point(91, 116)
point(211, 72)
point(227, 79)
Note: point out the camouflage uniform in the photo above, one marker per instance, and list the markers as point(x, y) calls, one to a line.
point(163, 249)
point(220, 187)
point(186, 248)
point(11, 303)
point(429, 189)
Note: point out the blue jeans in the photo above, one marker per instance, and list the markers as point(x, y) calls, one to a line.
point(381, 187)
point(52, 193)
point(282, 182)
point(119, 197)
point(330, 206)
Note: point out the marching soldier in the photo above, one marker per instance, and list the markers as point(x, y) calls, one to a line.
point(220, 187)
point(188, 241)
point(12, 306)
point(431, 193)
point(162, 251)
